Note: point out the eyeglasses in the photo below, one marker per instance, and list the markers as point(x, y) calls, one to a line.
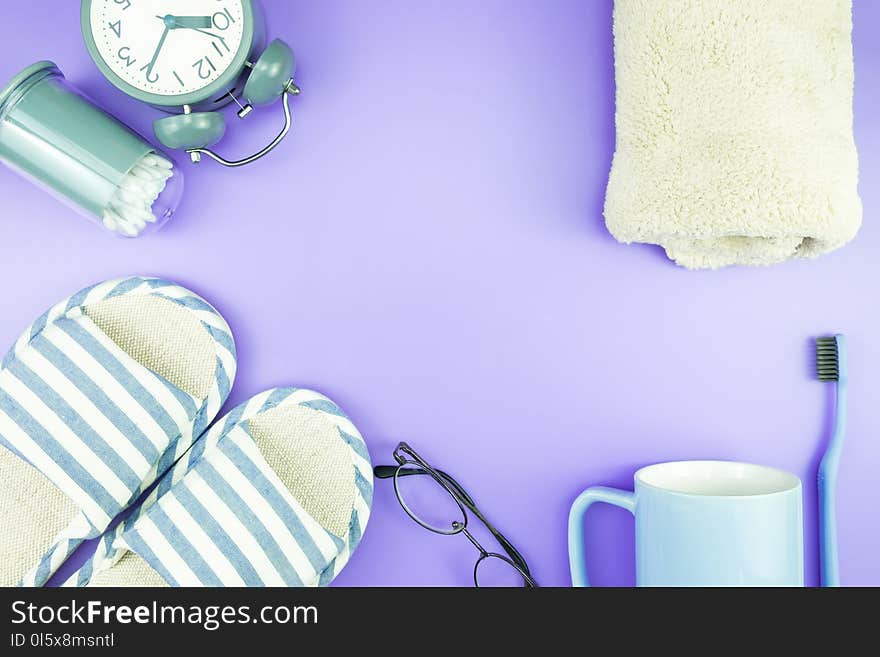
point(437, 502)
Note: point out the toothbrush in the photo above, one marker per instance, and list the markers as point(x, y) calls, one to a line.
point(831, 366)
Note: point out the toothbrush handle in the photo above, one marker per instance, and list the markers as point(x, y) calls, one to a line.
point(828, 558)
point(829, 574)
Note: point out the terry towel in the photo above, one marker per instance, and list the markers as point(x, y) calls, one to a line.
point(734, 129)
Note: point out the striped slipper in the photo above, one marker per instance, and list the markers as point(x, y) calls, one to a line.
point(277, 493)
point(98, 398)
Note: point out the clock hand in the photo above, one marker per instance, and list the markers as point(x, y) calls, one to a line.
point(210, 34)
point(158, 50)
point(175, 22)
point(192, 23)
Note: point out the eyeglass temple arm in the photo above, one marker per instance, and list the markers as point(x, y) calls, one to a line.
point(388, 472)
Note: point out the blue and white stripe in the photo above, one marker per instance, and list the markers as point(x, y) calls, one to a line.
point(222, 517)
point(98, 424)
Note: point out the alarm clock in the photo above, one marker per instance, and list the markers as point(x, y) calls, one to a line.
point(191, 64)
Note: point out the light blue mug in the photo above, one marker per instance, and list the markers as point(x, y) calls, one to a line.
point(705, 523)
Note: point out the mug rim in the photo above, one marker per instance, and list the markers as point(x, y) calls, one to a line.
point(794, 482)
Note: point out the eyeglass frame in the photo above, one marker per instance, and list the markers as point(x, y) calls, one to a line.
point(407, 456)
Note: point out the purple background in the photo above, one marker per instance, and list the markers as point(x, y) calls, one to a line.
point(428, 249)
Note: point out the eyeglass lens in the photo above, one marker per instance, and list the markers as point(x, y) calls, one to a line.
point(428, 500)
point(495, 570)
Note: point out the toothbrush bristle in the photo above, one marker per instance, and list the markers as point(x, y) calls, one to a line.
point(827, 364)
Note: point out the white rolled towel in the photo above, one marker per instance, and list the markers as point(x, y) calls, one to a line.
point(734, 129)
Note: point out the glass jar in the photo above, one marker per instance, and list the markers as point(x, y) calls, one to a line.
point(53, 135)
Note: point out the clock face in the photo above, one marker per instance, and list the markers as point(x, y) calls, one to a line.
point(168, 47)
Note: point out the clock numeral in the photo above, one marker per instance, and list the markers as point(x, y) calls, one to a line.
point(178, 78)
point(150, 75)
point(116, 27)
point(222, 19)
point(203, 70)
point(123, 54)
point(217, 48)
point(126, 4)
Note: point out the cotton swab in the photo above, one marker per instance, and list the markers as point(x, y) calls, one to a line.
point(129, 210)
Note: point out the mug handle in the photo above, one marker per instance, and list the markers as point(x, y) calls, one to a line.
point(576, 557)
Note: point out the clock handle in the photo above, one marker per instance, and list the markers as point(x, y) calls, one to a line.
point(290, 89)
